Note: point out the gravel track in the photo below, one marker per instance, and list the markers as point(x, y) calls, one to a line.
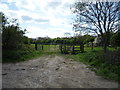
point(52, 72)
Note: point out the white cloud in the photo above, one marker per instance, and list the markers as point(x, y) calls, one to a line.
point(3, 7)
point(26, 4)
point(40, 32)
point(53, 11)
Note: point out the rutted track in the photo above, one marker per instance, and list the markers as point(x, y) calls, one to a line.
point(52, 72)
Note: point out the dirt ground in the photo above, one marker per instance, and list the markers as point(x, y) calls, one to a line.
point(52, 72)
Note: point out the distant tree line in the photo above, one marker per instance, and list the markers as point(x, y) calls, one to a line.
point(64, 40)
point(87, 40)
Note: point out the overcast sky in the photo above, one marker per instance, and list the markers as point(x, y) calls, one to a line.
point(41, 18)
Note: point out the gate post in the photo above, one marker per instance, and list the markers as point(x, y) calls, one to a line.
point(73, 49)
point(42, 46)
point(61, 48)
point(35, 46)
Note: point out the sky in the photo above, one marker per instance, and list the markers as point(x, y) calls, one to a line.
point(41, 18)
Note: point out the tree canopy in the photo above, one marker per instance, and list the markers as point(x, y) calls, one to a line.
point(99, 17)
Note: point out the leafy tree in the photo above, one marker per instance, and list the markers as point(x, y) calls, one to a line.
point(100, 18)
point(12, 38)
point(12, 35)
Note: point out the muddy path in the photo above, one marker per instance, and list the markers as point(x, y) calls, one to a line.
point(52, 72)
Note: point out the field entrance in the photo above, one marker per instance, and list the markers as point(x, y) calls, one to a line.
point(63, 48)
point(48, 48)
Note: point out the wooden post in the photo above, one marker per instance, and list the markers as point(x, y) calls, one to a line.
point(61, 48)
point(73, 49)
point(54, 46)
point(35, 46)
point(42, 47)
point(82, 47)
point(65, 48)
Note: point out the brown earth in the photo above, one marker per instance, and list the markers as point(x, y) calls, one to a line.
point(52, 72)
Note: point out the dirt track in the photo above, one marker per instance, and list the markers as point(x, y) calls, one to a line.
point(52, 72)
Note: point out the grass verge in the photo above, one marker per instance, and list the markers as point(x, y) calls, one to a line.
point(26, 53)
point(106, 64)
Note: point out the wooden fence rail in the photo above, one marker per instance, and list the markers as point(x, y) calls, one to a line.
point(64, 48)
point(72, 49)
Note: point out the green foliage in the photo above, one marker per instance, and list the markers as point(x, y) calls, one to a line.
point(27, 52)
point(26, 40)
point(88, 38)
point(4, 19)
point(12, 35)
point(66, 40)
point(15, 45)
point(115, 39)
point(12, 38)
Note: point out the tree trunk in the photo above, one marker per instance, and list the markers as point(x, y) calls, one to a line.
point(105, 47)
point(106, 39)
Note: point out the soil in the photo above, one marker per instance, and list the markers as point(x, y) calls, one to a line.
point(52, 72)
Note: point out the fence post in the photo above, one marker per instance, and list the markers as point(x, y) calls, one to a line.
point(82, 47)
point(42, 47)
point(35, 46)
point(65, 48)
point(73, 49)
point(61, 48)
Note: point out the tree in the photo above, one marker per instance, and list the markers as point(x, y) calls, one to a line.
point(12, 35)
point(100, 18)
